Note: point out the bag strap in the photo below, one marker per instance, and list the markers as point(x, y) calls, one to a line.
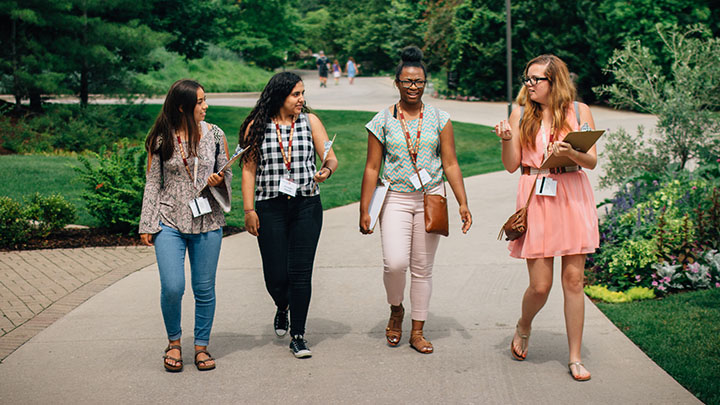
point(532, 190)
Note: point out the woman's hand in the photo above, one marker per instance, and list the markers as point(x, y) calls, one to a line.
point(466, 218)
point(502, 130)
point(562, 149)
point(322, 175)
point(216, 179)
point(252, 222)
point(146, 239)
point(365, 224)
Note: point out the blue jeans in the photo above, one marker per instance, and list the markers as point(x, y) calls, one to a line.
point(288, 237)
point(204, 250)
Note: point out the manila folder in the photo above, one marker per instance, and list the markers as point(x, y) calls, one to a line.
point(581, 140)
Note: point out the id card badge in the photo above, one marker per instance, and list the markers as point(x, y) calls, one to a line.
point(289, 187)
point(546, 186)
point(424, 176)
point(200, 206)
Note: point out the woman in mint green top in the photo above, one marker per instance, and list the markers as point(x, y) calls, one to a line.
point(404, 136)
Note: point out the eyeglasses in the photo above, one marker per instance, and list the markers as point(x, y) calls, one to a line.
point(531, 81)
point(408, 83)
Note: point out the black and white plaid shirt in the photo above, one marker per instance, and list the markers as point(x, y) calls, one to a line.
point(272, 167)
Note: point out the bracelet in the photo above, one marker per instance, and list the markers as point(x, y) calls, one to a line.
point(250, 210)
point(331, 170)
point(506, 140)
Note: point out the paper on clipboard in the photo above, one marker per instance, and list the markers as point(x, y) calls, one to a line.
point(580, 140)
point(328, 145)
point(376, 203)
point(238, 152)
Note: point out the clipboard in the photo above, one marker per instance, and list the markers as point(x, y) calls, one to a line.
point(376, 203)
point(580, 140)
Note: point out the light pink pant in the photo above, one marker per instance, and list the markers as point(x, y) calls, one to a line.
point(405, 243)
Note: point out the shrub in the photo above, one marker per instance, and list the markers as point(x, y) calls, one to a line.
point(114, 187)
point(684, 98)
point(600, 292)
point(14, 226)
point(49, 213)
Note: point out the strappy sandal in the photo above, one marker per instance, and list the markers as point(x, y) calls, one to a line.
point(577, 377)
point(200, 364)
point(419, 343)
point(178, 361)
point(523, 345)
point(393, 332)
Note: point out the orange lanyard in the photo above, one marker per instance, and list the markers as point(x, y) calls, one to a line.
point(286, 158)
point(182, 154)
point(413, 149)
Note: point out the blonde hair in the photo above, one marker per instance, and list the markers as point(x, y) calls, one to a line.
point(562, 94)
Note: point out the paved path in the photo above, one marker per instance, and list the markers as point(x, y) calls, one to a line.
point(108, 349)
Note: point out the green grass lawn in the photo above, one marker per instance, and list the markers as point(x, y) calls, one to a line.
point(681, 333)
point(478, 152)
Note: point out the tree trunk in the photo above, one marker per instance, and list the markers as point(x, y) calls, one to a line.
point(35, 101)
point(84, 68)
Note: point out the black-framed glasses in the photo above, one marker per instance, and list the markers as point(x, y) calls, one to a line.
point(531, 81)
point(408, 83)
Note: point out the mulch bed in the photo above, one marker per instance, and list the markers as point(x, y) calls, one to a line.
point(91, 237)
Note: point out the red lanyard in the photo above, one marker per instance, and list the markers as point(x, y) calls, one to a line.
point(412, 149)
point(286, 158)
point(182, 154)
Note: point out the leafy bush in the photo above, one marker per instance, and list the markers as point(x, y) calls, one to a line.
point(14, 227)
point(48, 213)
point(599, 292)
point(74, 129)
point(684, 99)
point(114, 187)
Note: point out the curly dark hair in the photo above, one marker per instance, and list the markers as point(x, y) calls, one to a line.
point(183, 93)
point(272, 98)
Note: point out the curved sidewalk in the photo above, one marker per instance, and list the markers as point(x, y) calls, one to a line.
point(109, 349)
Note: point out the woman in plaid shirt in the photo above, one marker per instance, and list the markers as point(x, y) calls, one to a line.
point(281, 198)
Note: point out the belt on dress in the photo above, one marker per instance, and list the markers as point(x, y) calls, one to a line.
point(554, 170)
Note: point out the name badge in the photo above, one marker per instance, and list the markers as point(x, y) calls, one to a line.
point(289, 187)
point(424, 176)
point(546, 186)
point(200, 206)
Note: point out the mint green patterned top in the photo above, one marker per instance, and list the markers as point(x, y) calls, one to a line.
point(397, 164)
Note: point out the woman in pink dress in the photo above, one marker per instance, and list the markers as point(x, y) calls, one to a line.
point(560, 223)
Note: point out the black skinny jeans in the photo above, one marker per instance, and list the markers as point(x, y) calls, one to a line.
point(288, 237)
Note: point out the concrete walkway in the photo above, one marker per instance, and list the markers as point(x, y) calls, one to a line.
point(108, 349)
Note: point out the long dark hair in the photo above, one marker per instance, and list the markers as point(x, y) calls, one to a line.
point(411, 56)
point(272, 98)
point(183, 93)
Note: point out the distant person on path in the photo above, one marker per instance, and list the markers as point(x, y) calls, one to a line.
point(281, 198)
point(404, 135)
point(323, 67)
point(184, 156)
point(564, 224)
point(352, 69)
point(337, 71)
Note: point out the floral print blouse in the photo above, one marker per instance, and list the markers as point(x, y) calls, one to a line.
point(168, 194)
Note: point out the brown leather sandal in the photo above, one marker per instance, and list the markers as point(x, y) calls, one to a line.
point(200, 364)
point(178, 361)
point(393, 332)
point(523, 344)
point(419, 343)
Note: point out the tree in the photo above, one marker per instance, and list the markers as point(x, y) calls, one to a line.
point(192, 24)
point(685, 100)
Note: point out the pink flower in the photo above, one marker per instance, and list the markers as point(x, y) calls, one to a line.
point(717, 285)
point(694, 187)
point(666, 279)
point(661, 288)
point(655, 182)
point(655, 283)
point(637, 277)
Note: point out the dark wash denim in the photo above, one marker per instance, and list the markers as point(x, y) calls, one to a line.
point(288, 237)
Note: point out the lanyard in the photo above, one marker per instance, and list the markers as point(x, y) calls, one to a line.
point(545, 137)
point(286, 158)
point(413, 149)
point(187, 168)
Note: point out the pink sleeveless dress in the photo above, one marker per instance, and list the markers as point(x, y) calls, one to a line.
point(566, 224)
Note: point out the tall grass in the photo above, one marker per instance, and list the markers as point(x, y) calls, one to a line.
point(218, 71)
